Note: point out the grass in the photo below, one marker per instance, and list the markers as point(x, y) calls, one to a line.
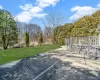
point(20, 53)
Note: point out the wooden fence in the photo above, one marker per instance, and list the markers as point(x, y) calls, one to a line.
point(84, 45)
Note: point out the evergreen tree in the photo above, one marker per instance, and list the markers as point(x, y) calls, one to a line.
point(40, 39)
point(27, 39)
point(8, 30)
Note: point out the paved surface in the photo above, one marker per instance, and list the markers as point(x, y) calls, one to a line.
point(59, 66)
point(27, 69)
point(64, 71)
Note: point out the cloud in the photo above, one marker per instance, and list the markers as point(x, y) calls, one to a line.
point(46, 3)
point(29, 11)
point(36, 9)
point(24, 16)
point(26, 7)
point(98, 5)
point(80, 11)
point(1, 7)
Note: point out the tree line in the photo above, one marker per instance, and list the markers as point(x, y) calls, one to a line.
point(16, 34)
point(85, 26)
point(28, 34)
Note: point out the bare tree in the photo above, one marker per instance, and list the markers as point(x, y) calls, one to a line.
point(34, 30)
point(21, 32)
point(47, 33)
point(51, 21)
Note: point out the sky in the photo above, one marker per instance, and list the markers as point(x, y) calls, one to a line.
point(34, 11)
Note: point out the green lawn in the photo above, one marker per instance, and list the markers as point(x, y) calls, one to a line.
point(20, 53)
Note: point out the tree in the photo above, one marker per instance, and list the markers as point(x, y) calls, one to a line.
point(33, 31)
point(27, 39)
point(51, 21)
point(85, 26)
point(62, 32)
point(8, 30)
point(20, 33)
point(40, 39)
point(47, 34)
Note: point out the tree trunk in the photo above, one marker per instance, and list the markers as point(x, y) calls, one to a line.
point(5, 45)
